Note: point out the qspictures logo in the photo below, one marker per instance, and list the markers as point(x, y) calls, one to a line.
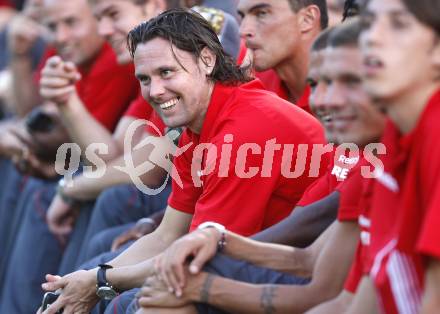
point(225, 159)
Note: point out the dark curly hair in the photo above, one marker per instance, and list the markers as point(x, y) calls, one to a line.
point(189, 31)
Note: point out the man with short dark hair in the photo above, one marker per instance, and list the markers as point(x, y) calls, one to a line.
point(278, 35)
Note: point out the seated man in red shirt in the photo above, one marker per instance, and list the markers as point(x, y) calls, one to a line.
point(75, 38)
point(123, 202)
point(265, 290)
point(402, 265)
point(230, 122)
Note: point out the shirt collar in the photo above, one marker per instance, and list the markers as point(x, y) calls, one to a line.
point(220, 98)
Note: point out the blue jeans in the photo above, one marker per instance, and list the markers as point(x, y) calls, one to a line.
point(12, 193)
point(38, 252)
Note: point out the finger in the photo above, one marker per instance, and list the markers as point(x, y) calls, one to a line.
point(161, 274)
point(54, 82)
point(52, 278)
point(61, 230)
point(56, 306)
point(72, 77)
point(54, 93)
point(53, 285)
point(70, 67)
point(200, 259)
point(178, 272)
point(54, 61)
point(172, 279)
point(117, 243)
point(146, 301)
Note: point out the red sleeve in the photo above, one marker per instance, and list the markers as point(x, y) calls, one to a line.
point(429, 191)
point(316, 191)
point(184, 197)
point(356, 272)
point(351, 195)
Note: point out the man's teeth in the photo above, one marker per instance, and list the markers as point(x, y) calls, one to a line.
point(169, 103)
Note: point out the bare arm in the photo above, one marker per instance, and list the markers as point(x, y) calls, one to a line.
point(85, 188)
point(22, 34)
point(135, 264)
point(75, 116)
point(130, 268)
point(297, 261)
point(365, 299)
point(338, 305)
point(327, 281)
point(304, 225)
point(431, 296)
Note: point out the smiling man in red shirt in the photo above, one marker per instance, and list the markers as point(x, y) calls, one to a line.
point(189, 81)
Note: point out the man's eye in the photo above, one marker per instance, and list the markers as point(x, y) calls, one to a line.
point(312, 83)
point(113, 15)
point(166, 73)
point(261, 13)
point(144, 80)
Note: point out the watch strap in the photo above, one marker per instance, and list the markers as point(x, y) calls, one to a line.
point(101, 275)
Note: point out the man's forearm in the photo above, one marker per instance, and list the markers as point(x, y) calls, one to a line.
point(275, 256)
point(25, 94)
point(304, 225)
point(134, 262)
point(85, 188)
point(252, 299)
point(75, 117)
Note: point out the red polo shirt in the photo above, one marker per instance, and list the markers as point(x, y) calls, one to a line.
point(106, 88)
point(247, 117)
point(272, 82)
point(400, 274)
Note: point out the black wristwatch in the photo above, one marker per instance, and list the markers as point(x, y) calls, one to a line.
point(104, 290)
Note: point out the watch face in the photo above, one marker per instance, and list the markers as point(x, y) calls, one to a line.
point(106, 293)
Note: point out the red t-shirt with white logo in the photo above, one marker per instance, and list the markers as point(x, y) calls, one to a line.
point(362, 188)
point(338, 170)
point(400, 272)
point(257, 188)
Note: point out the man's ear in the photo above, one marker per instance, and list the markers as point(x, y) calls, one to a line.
point(309, 18)
point(207, 60)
